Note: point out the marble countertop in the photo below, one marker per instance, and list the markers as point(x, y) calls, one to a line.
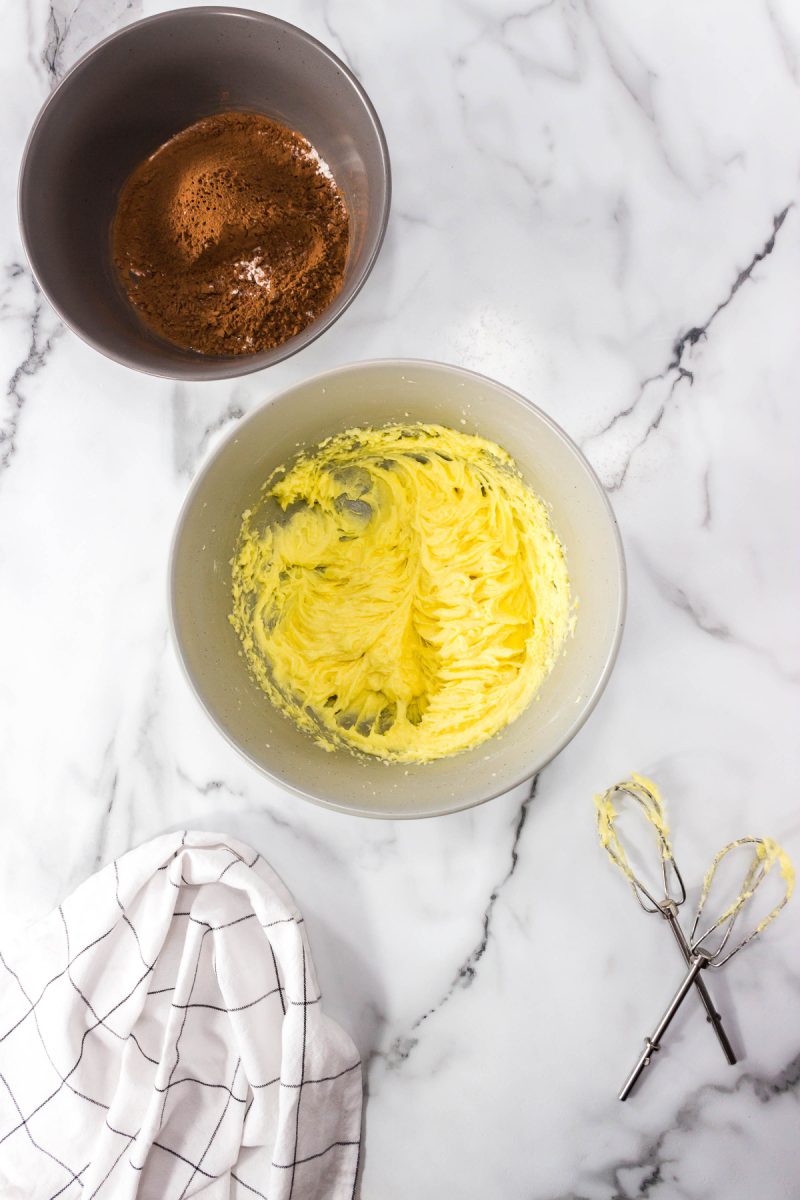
point(597, 203)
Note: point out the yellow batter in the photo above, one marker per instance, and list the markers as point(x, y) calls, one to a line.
point(400, 591)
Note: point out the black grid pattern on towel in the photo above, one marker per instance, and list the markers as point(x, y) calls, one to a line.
point(73, 1185)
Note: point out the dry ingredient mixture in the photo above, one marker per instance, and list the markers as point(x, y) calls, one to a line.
point(231, 237)
point(400, 591)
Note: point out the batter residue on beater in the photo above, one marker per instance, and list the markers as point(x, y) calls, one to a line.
point(400, 591)
point(231, 237)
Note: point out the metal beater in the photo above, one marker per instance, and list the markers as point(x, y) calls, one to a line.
point(648, 802)
point(765, 855)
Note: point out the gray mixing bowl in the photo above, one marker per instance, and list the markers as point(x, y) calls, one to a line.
point(374, 393)
point(129, 95)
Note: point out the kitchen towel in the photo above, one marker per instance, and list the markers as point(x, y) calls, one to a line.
point(161, 1036)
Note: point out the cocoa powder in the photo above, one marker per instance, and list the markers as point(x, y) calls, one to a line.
point(231, 237)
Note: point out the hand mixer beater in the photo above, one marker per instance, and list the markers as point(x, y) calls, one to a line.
point(709, 944)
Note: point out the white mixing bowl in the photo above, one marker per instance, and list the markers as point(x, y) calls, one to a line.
point(374, 393)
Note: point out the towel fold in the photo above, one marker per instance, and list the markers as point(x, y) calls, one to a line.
point(161, 1037)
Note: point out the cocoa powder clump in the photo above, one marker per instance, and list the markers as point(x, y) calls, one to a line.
point(231, 237)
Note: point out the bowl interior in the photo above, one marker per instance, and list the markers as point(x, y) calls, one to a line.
point(131, 94)
point(374, 393)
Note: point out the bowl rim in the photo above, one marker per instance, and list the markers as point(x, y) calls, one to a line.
point(233, 366)
point(405, 364)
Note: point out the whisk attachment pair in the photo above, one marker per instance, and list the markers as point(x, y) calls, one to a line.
point(711, 942)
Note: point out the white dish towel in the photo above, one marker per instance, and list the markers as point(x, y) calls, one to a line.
point(161, 1037)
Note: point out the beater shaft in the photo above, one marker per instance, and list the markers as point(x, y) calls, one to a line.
point(671, 913)
point(651, 1044)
